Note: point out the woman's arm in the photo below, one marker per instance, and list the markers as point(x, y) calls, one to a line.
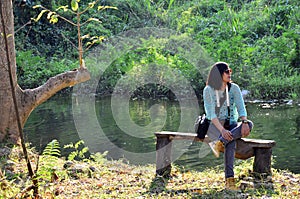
point(225, 133)
point(209, 102)
point(239, 101)
point(241, 108)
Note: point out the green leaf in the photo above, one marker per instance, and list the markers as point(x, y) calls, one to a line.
point(49, 15)
point(71, 145)
point(39, 16)
point(148, 3)
point(84, 150)
point(94, 19)
point(88, 43)
point(85, 36)
point(74, 5)
point(77, 144)
point(106, 7)
point(65, 8)
point(92, 4)
point(170, 4)
point(9, 35)
point(72, 155)
point(54, 19)
point(36, 6)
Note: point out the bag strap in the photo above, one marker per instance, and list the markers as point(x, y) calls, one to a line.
point(222, 100)
point(228, 103)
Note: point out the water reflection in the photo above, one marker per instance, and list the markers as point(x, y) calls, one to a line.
point(54, 120)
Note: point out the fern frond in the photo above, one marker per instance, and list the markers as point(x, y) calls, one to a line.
point(71, 145)
point(72, 155)
point(83, 151)
point(52, 148)
point(77, 144)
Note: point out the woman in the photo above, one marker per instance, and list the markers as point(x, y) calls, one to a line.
point(223, 100)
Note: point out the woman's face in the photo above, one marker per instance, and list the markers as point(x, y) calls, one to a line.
point(227, 75)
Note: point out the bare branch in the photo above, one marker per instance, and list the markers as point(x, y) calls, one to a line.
point(40, 94)
point(29, 22)
point(69, 40)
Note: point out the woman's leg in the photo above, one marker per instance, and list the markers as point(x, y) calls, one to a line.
point(230, 148)
point(213, 133)
point(236, 131)
point(229, 158)
point(229, 152)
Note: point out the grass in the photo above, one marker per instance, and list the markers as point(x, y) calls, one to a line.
point(102, 178)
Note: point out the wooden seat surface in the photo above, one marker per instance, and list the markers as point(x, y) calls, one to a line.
point(245, 146)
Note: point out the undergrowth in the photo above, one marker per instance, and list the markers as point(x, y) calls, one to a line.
point(97, 177)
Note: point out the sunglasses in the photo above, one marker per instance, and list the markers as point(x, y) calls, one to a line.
point(228, 71)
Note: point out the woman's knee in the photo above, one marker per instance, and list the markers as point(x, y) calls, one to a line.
point(231, 146)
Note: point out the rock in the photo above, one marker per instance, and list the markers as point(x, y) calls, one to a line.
point(9, 166)
point(265, 106)
point(5, 151)
point(93, 169)
point(79, 168)
point(246, 185)
point(68, 164)
point(74, 169)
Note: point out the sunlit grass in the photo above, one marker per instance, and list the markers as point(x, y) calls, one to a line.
point(116, 179)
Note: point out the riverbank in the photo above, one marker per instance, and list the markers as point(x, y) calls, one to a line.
point(101, 178)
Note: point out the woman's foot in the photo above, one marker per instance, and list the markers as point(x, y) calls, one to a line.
point(216, 146)
point(230, 184)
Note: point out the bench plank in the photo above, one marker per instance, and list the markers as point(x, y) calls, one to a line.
point(193, 136)
point(246, 148)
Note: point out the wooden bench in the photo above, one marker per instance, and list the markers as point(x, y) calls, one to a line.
point(246, 148)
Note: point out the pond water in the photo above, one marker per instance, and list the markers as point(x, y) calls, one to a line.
point(125, 129)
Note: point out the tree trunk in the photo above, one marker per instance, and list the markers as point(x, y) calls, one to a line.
point(30, 98)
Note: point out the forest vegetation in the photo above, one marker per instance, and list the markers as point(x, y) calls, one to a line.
point(258, 38)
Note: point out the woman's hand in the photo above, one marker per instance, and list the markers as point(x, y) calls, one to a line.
point(245, 130)
point(226, 135)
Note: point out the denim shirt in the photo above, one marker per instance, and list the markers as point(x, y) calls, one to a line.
point(237, 105)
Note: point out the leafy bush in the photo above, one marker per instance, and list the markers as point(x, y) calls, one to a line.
point(154, 65)
point(34, 70)
point(259, 39)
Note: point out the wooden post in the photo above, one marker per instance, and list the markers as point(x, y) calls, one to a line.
point(163, 155)
point(262, 160)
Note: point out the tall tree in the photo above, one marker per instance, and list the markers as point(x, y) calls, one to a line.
point(28, 99)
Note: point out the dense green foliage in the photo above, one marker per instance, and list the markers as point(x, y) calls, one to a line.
point(34, 69)
point(259, 38)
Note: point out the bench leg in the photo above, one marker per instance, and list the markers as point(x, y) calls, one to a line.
point(262, 160)
point(163, 156)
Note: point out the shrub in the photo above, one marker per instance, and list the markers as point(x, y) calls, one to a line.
point(34, 70)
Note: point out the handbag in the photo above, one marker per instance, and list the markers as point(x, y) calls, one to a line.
point(201, 126)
